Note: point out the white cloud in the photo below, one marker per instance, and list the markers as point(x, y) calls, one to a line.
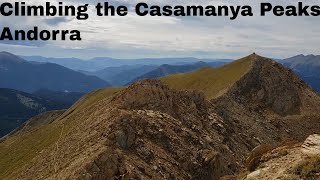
point(132, 35)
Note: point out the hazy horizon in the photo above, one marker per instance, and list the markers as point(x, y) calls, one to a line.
point(133, 36)
point(86, 58)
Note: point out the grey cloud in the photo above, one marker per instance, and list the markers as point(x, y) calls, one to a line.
point(24, 43)
point(56, 21)
point(161, 36)
point(95, 2)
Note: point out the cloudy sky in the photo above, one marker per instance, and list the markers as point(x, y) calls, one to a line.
point(133, 36)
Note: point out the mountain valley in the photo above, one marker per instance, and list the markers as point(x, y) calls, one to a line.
point(16, 107)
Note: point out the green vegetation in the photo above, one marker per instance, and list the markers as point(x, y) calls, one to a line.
point(212, 81)
point(91, 99)
point(21, 148)
point(96, 96)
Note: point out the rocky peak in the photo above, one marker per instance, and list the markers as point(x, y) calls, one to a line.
point(152, 94)
point(272, 87)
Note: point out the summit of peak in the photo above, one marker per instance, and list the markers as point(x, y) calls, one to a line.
point(257, 57)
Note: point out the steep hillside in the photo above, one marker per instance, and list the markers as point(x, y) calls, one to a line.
point(203, 126)
point(22, 146)
point(16, 107)
point(268, 105)
point(16, 73)
point(270, 86)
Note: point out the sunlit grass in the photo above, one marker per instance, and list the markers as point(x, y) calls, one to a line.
point(211, 81)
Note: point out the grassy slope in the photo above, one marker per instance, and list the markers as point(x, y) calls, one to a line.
point(212, 81)
point(20, 149)
point(91, 99)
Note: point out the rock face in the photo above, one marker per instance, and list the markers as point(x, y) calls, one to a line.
point(154, 95)
point(166, 134)
point(150, 131)
point(267, 105)
point(311, 145)
point(289, 161)
point(271, 87)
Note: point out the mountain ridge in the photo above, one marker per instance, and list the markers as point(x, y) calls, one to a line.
point(96, 64)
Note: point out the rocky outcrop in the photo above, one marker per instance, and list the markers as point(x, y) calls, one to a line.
point(311, 145)
point(165, 134)
point(289, 161)
point(152, 94)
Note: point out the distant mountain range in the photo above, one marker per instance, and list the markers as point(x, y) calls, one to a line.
point(17, 73)
point(122, 75)
point(307, 67)
point(16, 107)
point(41, 73)
point(167, 69)
point(100, 63)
